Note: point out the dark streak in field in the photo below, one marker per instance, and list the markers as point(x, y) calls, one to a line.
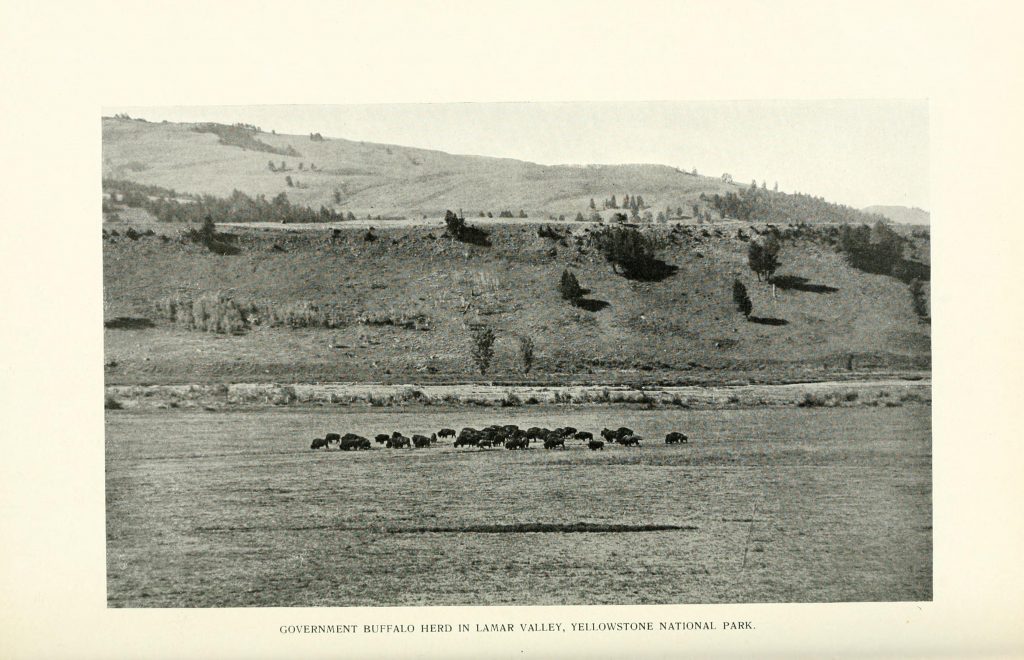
point(520, 528)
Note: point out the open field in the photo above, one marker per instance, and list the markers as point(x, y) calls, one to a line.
point(769, 505)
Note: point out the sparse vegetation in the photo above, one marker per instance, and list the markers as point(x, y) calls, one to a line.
point(570, 287)
point(241, 135)
point(526, 348)
point(483, 347)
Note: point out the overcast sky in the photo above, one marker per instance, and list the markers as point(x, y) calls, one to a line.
point(858, 153)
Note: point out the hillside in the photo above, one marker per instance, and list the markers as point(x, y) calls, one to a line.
point(389, 180)
point(401, 301)
point(903, 215)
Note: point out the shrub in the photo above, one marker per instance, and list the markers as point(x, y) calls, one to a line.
point(627, 249)
point(526, 353)
point(763, 257)
point(570, 288)
point(920, 300)
point(483, 347)
point(110, 403)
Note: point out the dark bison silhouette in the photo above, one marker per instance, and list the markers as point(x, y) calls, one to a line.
point(595, 445)
point(381, 438)
point(332, 437)
point(420, 441)
point(584, 435)
point(319, 443)
point(630, 440)
point(536, 433)
point(552, 443)
point(446, 433)
point(517, 443)
point(353, 443)
point(397, 441)
point(675, 438)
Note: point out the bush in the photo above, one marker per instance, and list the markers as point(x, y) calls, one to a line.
point(483, 347)
point(630, 253)
point(763, 257)
point(570, 288)
point(920, 300)
point(526, 347)
point(110, 403)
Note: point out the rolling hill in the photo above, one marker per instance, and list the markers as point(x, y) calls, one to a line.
point(903, 215)
point(389, 180)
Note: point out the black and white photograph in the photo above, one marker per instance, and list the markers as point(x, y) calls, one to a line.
point(374, 372)
point(536, 329)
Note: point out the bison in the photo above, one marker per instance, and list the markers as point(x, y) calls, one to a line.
point(353, 443)
point(584, 435)
point(446, 433)
point(676, 437)
point(517, 443)
point(381, 438)
point(629, 440)
point(332, 437)
point(319, 443)
point(552, 443)
point(397, 441)
point(595, 445)
point(420, 441)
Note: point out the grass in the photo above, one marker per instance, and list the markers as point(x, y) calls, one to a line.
point(215, 509)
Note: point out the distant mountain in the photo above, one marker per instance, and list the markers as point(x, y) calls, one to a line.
point(903, 215)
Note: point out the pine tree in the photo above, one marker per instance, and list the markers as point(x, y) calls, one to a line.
point(742, 300)
point(593, 207)
point(570, 288)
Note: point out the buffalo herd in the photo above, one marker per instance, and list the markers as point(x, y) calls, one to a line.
point(508, 436)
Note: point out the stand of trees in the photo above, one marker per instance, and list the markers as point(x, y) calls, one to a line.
point(164, 204)
point(756, 204)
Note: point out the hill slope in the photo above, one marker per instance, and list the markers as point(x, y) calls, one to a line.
point(379, 179)
point(683, 328)
point(903, 215)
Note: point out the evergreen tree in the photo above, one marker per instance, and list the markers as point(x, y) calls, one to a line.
point(742, 300)
point(570, 288)
point(483, 347)
point(592, 206)
point(612, 203)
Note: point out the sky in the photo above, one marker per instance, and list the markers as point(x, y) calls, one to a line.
point(855, 152)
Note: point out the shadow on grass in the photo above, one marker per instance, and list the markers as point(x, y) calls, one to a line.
point(654, 270)
point(128, 323)
point(797, 283)
point(767, 321)
point(591, 305)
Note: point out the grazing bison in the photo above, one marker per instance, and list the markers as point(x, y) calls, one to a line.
point(381, 438)
point(517, 443)
point(535, 433)
point(354, 443)
point(568, 430)
point(445, 433)
point(397, 441)
point(470, 439)
point(552, 443)
point(584, 435)
point(420, 441)
point(319, 443)
point(609, 435)
point(630, 440)
point(595, 445)
point(676, 437)
point(332, 437)
point(623, 431)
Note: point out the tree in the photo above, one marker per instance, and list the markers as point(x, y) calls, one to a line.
point(570, 287)
point(612, 204)
point(694, 172)
point(350, 216)
point(526, 353)
point(483, 347)
point(456, 225)
point(776, 188)
point(726, 177)
point(271, 166)
point(742, 300)
point(648, 216)
point(580, 218)
point(522, 213)
point(627, 249)
point(662, 217)
point(763, 257)
point(288, 180)
point(337, 197)
point(593, 207)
